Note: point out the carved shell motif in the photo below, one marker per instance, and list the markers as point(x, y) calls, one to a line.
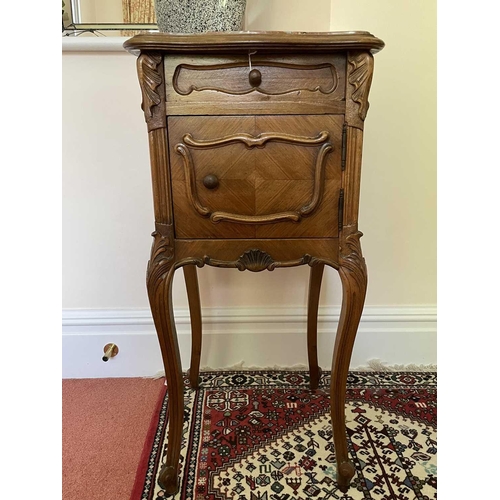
point(255, 260)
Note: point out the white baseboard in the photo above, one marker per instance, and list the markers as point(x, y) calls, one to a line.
point(398, 335)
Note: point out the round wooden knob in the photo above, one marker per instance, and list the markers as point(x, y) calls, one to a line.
point(211, 181)
point(255, 77)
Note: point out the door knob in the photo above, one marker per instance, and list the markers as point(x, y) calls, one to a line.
point(211, 181)
point(255, 77)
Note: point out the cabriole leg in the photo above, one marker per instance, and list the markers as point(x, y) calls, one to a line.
point(315, 278)
point(160, 276)
point(353, 275)
point(193, 293)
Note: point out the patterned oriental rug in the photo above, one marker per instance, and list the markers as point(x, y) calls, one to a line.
point(258, 435)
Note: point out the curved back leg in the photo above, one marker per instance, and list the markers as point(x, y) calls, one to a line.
point(315, 278)
point(193, 293)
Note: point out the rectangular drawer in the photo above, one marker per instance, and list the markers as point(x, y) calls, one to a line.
point(309, 84)
point(274, 176)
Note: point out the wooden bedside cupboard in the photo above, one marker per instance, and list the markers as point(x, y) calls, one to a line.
point(255, 146)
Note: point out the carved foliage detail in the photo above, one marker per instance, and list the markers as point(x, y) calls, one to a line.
point(352, 261)
point(360, 77)
point(162, 254)
point(150, 78)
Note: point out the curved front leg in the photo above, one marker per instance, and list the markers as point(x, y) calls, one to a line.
point(193, 293)
point(354, 279)
point(159, 283)
point(315, 278)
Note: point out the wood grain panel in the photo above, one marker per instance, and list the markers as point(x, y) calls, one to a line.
point(273, 77)
point(263, 107)
point(277, 175)
point(199, 84)
point(279, 249)
point(298, 163)
point(323, 222)
point(233, 161)
point(266, 42)
point(188, 224)
point(352, 175)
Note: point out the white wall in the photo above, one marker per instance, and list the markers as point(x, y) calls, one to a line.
point(398, 192)
point(107, 207)
point(107, 210)
point(287, 15)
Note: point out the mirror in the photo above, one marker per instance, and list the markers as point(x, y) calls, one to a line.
point(107, 17)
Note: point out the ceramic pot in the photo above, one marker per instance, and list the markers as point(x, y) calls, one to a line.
point(198, 16)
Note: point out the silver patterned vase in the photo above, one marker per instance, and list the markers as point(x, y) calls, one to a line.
point(198, 16)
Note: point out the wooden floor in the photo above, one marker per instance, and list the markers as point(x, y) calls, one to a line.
point(105, 422)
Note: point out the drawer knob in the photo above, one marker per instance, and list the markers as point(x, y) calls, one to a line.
point(255, 77)
point(210, 181)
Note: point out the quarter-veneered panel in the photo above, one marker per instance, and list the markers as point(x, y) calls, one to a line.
point(264, 176)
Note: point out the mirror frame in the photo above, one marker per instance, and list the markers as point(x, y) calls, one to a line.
point(76, 28)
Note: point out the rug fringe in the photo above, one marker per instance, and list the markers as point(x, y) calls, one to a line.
point(374, 365)
point(377, 365)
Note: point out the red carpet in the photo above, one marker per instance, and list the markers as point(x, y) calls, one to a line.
point(105, 423)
